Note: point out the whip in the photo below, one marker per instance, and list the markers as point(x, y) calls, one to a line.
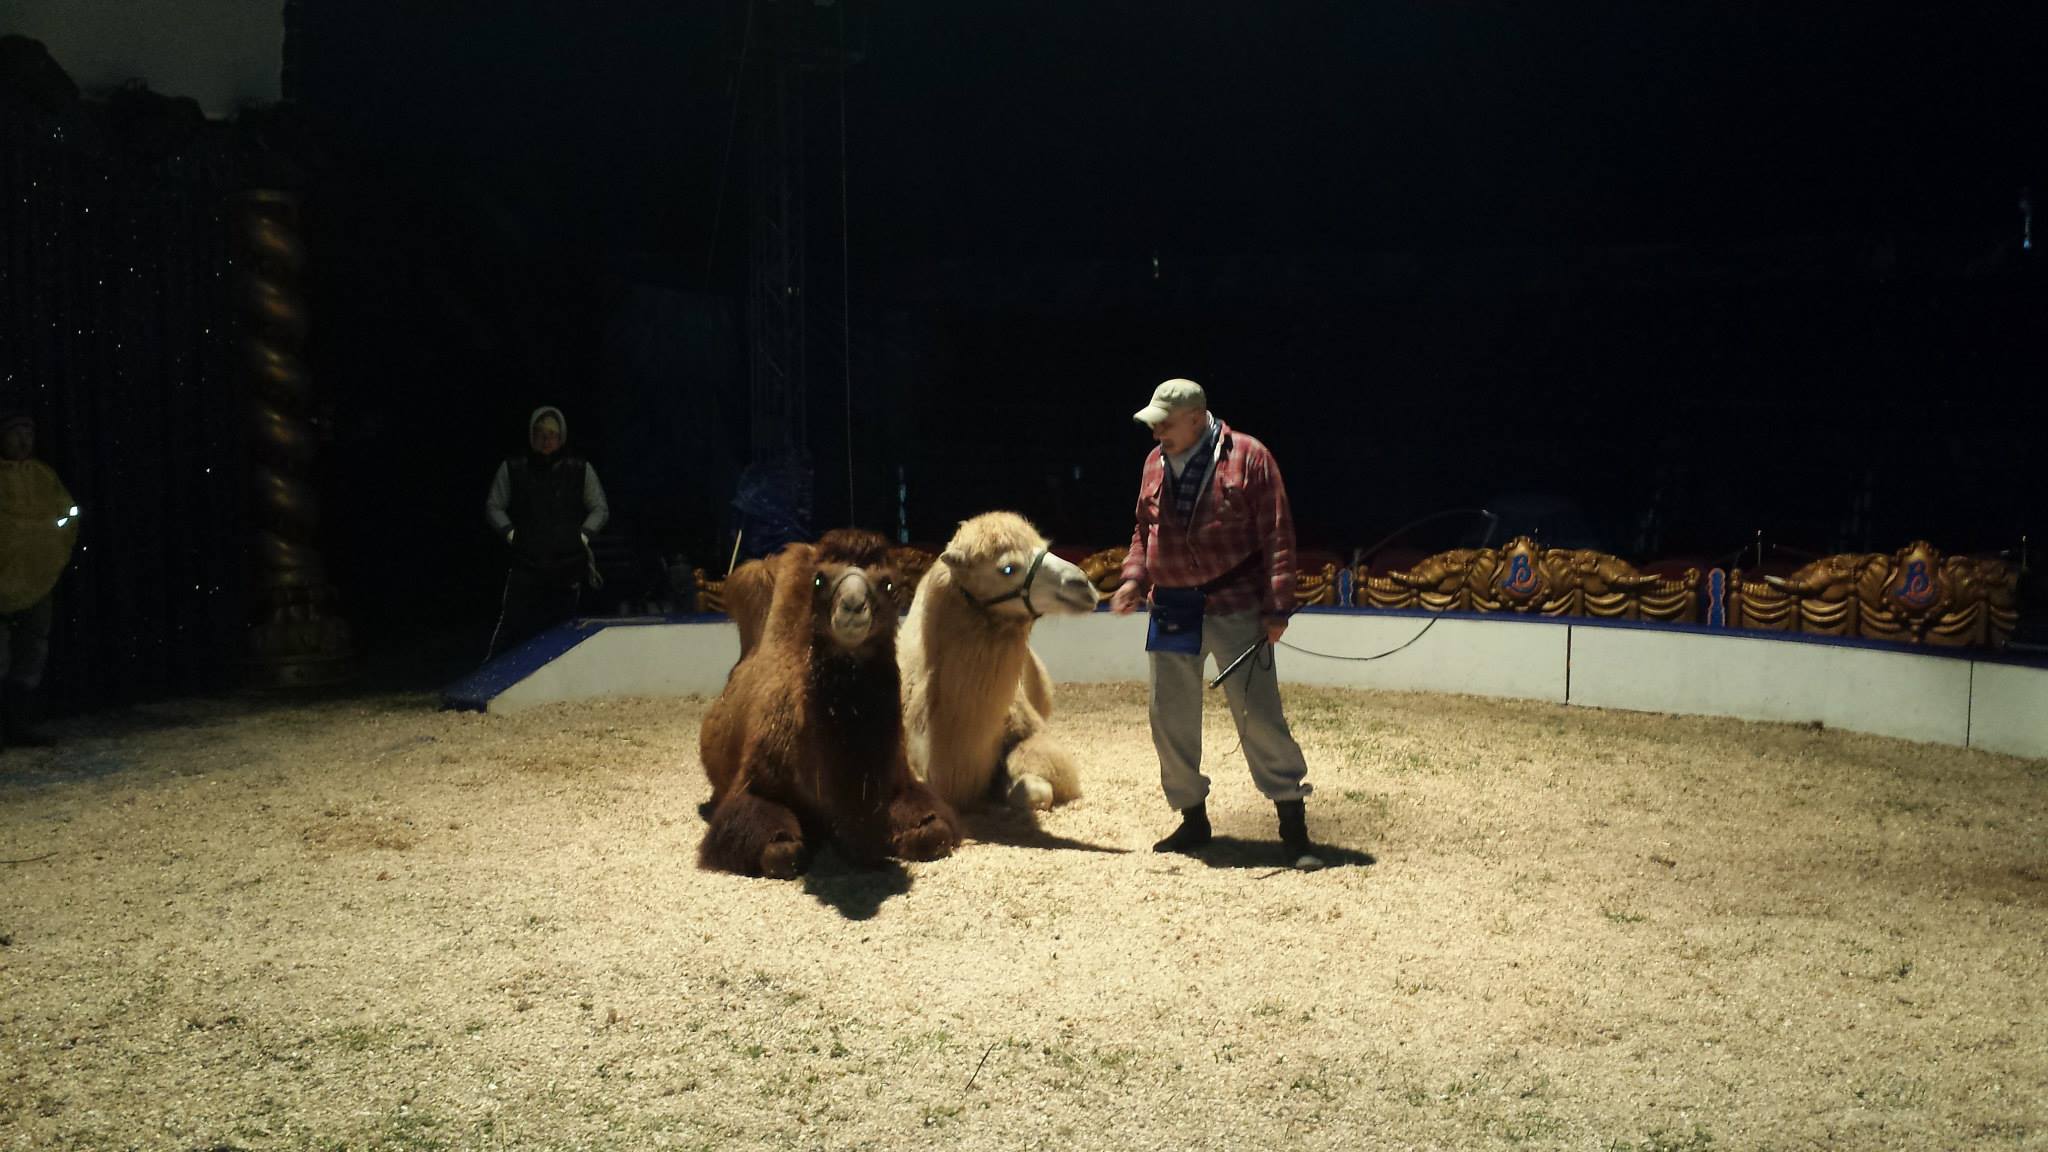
point(1492, 523)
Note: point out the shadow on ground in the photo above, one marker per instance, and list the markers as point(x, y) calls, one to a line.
point(31, 768)
point(1016, 829)
point(855, 893)
point(1232, 852)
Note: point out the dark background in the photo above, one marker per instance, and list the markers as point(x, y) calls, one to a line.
point(1650, 279)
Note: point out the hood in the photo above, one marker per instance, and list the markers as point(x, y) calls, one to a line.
point(561, 421)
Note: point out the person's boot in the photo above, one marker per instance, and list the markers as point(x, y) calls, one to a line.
point(1192, 833)
point(17, 715)
point(1294, 835)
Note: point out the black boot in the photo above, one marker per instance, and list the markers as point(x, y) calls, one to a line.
point(1294, 835)
point(1192, 833)
point(17, 715)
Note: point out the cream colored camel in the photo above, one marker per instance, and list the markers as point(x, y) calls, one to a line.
point(975, 696)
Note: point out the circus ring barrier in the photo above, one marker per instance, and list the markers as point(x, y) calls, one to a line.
point(1517, 622)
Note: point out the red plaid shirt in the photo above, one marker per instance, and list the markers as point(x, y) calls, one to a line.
point(1242, 537)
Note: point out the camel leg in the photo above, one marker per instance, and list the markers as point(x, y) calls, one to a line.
point(1041, 774)
point(754, 836)
point(1038, 773)
point(1036, 683)
point(921, 826)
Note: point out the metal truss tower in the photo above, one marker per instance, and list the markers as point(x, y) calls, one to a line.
point(775, 277)
point(795, 37)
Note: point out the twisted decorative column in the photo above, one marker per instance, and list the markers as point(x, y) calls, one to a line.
point(297, 637)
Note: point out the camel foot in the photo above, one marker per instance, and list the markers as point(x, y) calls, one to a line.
point(931, 839)
point(1030, 792)
point(783, 860)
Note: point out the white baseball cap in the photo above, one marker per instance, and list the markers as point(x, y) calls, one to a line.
point(1170, 397)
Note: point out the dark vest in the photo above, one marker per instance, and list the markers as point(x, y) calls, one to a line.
point(546, 507)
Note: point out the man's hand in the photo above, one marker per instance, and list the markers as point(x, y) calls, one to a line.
point(1127, 599)
point(1276, 627)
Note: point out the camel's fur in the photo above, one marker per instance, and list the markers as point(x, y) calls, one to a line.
point(975, 696)
point(806, 741)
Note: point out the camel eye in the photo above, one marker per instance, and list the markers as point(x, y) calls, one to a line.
point(888, 585)
point(1009, 569)
point(818, 581)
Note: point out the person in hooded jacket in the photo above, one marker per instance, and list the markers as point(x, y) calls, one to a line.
point(545, 505)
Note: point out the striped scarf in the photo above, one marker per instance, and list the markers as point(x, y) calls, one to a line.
point(1187, 487)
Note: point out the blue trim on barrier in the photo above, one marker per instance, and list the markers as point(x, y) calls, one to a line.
point(2033, 656)
point(474, 693)
point(1980, 655)
point(2026, 659)
point(669, 618)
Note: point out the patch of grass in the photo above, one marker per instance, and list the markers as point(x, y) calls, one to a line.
point(1422, 1096)
point(1116, 1059)
point(412, 1131)
point(1667, 1140)
point(293, 1059)
point(1469, 1086)
point(359, 1037)
point(1622, 916)
point(1531, 1126)
point(1894, 1092)
point(1316, 1082)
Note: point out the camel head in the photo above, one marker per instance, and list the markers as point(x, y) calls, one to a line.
point(1005, 568)
point(853, 606)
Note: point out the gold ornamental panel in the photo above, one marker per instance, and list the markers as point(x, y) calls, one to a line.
point(1913, 596)
point(1524, 577)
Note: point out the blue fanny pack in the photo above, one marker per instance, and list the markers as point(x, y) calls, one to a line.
point(1176, 621)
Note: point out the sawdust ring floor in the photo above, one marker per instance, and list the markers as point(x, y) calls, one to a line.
point(377, 925)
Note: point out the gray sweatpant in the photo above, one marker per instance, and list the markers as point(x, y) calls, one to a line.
point(25, 644)
point(1278, 767)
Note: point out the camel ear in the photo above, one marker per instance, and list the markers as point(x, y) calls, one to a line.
point(953, 557)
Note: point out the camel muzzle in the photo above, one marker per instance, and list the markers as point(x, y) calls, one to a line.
point(853, 610)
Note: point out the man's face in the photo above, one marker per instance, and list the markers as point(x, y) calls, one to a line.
point(1178, 432)
point(17, 442)
point(546, 437)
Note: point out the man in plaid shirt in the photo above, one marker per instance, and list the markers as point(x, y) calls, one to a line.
point(1214, 547)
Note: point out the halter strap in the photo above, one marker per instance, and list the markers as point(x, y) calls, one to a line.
point(1020, 592)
